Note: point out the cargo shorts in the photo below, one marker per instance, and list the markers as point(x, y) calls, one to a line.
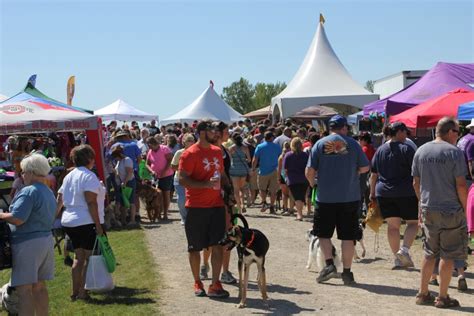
point(444, 235)
point(268, 182)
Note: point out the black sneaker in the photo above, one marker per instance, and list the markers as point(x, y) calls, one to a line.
point(68, 261)
point(348, 278)
point(272, 210)
point(327, 273)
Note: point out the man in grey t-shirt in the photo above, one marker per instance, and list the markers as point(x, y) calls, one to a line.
point(439, 172)
point(285, 137)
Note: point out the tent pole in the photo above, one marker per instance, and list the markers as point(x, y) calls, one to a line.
point(94, 136)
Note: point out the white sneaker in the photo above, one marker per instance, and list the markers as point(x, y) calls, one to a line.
point(405, 259)
point(397, 264)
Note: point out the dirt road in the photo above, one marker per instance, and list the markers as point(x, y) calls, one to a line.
point(292, 288)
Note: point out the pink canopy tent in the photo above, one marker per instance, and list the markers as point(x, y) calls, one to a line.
point(40, 115)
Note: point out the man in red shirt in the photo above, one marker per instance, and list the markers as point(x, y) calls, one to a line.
point(200, 170)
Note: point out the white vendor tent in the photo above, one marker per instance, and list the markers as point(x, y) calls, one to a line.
point(353, 119)
point(323, 80)
point(122, 111)
point(207, 106)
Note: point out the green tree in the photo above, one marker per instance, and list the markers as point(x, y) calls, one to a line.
point(244, 97)
point(240, 96)
point(264, 92)
point(369, 85)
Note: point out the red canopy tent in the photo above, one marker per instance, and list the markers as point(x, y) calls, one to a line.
point(427, 114)
point(29, 113)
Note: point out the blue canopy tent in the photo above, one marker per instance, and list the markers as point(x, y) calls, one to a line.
point(466, 111)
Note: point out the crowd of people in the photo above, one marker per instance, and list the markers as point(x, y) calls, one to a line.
point(217, 170)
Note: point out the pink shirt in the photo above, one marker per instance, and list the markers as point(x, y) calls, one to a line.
point(157, 161)
point(470, 210)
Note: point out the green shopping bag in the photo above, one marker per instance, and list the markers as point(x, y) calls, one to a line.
point(107, 253)
point(143, 171)
point(126, 194)
point(314, 195)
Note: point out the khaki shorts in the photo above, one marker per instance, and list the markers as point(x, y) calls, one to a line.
point(253, 181)
point(444, 235)
point(268, 182)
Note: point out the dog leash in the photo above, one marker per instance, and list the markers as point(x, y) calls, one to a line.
point(376, 243)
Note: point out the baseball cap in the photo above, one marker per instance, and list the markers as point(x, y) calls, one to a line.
point(398, 126)
point(337, 121)
point(470, 124)
point(219, 126)
point(204, 125)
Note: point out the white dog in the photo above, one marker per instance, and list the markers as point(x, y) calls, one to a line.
point(9, 299)
point(315, 254)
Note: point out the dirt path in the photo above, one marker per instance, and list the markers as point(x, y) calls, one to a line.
point(293, 289)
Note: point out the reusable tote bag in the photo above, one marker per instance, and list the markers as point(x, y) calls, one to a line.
point(98, 279)
point(126, 194)
point(107, 253)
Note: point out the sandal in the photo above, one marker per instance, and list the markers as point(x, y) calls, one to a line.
point(433, 282)
point(425, 299)
point(446, 302)
point(264, 207)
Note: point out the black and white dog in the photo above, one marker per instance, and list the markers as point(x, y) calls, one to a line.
point(252, 246)
point(360, 240)
point(315, 254)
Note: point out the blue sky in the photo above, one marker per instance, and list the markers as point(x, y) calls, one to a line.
point(160, 55)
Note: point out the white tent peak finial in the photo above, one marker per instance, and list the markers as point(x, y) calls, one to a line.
point(211, 83)
point(321, 18)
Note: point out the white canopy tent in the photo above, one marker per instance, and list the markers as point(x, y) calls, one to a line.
point(207, 106)
point(321, 79)
point(122, 111)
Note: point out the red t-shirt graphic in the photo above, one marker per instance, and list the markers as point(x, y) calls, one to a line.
point(200, 164)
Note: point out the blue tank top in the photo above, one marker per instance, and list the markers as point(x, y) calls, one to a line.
point(238, 166)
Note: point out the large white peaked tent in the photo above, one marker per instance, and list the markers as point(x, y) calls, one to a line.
point(321, 80)
point(122, 111)
point(207, 106)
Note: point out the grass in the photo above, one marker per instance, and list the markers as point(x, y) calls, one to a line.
point(136, 282)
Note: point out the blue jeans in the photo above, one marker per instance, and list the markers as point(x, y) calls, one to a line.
point(180, 191)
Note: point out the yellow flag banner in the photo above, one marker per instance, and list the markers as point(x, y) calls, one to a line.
point(71, 83)
point(321, 18)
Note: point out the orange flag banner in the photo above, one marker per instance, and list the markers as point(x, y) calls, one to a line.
point(71, 83)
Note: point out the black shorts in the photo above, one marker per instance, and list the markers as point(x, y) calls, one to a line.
point(82, 237)
point(340, 216)
point(298, 191)
point(204, 227)
point(405, 207)
point(166, 183)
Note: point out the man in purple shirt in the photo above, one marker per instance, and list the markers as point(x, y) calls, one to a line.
point(466, 144)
